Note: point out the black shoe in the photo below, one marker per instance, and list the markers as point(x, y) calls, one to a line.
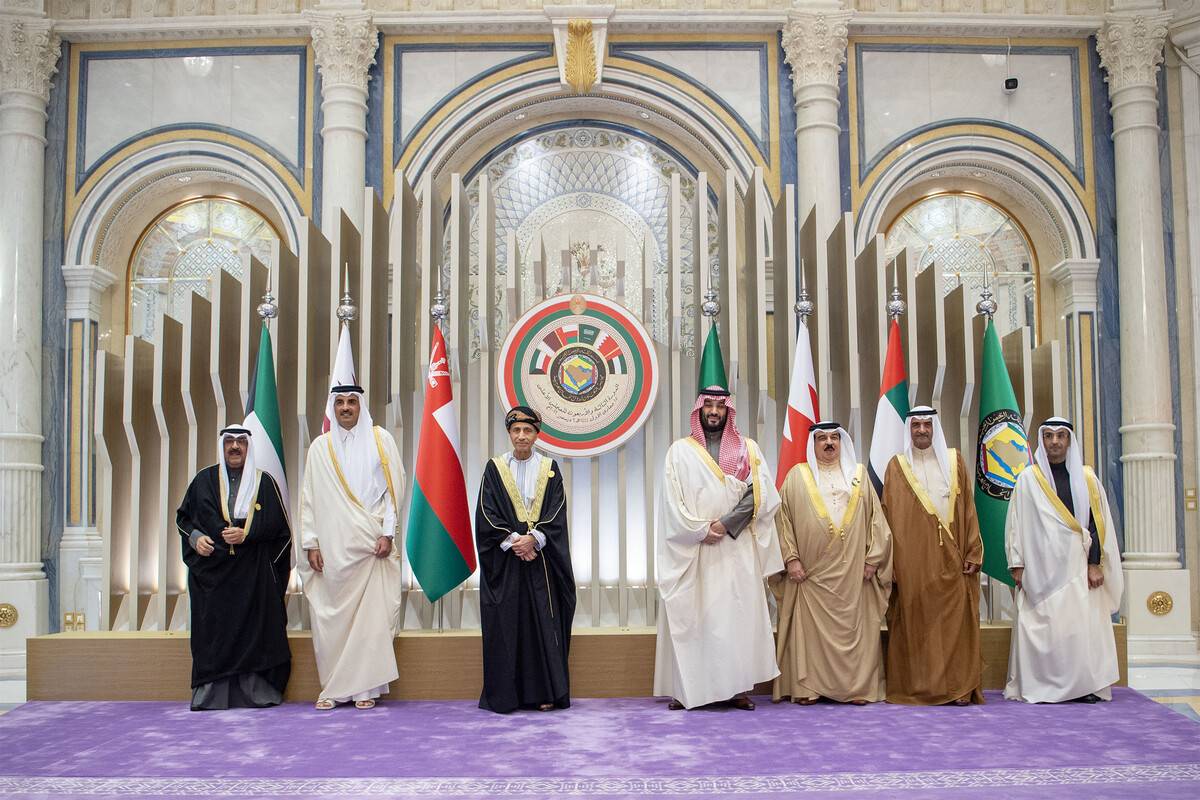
point(1088, 698)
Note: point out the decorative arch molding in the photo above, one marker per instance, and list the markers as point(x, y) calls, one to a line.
point(1045, 203)
point(124, 201)
point(477, 120)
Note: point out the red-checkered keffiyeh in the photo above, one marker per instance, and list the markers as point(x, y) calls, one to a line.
point(733, 459)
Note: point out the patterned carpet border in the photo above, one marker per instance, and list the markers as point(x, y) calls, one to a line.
point(597, 787)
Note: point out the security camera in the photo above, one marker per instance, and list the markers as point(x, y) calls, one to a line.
point(1010, 85)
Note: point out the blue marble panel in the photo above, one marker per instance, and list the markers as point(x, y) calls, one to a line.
point(375, 90)
point(54, 330)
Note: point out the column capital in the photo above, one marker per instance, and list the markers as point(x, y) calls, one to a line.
point(29, 51)
point(85, 286)
point(1077, 279)
point(344, 43)
point(814, 44)
point(1130, 45)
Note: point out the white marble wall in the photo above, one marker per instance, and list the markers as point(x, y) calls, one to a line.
point(256, 94)
point(905, 90)
point(428, 77)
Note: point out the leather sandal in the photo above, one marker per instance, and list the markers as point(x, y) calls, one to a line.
point(325, 704)
point(364, 704)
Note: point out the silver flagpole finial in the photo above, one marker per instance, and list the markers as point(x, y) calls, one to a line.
point(347, 311)
point(439, 310)
point(804, 307)
point(267, 309)
point(986, 304)
point(711, 306)
point(896, 307)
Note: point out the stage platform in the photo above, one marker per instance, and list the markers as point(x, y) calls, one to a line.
point(605, 662)
point(604, 748)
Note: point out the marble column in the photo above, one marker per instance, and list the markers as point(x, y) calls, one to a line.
point(344, 40)
point(79, 600)
point(814, 46)
point(1156, 588)
point(29, 53)
point(1076, 290)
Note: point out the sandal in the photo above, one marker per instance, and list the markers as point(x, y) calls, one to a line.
point(325, 704)
point(546, 707)
point(805, 701)
point(364, 704)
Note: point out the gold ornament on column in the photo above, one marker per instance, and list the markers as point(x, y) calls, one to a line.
point(8, 615)
point(581, 56)
point(1160, 603)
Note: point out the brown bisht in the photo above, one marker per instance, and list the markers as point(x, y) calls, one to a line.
point(240, 654)
point(525, 607)
point(933, 654)
point(828, 642)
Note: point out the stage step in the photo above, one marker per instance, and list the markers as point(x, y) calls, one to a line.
point(605, 662)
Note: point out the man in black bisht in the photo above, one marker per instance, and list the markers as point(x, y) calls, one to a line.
point(527, 593)
point(237, 545)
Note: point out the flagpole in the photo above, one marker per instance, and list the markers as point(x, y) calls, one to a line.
point(988, 306)
point(439, 311)
point(804, 306)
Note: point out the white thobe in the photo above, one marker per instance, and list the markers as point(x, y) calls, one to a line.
point(928, 471)
point(355, 601)
point(1062, 643)
point(714, 625)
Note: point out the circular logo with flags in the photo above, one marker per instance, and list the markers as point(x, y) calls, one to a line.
point(587, 366)
point(1003, 453)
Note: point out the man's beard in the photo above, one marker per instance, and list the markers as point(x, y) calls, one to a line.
point(710, 428)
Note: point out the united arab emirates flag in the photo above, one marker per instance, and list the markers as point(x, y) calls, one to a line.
point(440, 547)
point(262, 417)
point(1002, 453)
point(888, 438)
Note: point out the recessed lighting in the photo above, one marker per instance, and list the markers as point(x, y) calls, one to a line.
point(520, 115)
point(644, 114)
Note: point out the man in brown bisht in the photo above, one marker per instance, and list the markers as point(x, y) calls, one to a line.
point(837, 554)
point(933, 619)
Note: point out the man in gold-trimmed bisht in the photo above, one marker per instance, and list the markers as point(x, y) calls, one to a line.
point(237, 545)
point(1063, 555)
point(933, 653)
point(353, 481)
point(527, 588)
point(716, 544)
point(837, 552)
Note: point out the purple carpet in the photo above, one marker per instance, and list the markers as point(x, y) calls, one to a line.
point(632, 747)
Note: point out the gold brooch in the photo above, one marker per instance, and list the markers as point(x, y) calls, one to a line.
point(257, 507)
point(550, 474)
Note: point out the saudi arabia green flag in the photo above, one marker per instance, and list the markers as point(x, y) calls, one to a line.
point(1003, 452)
point(262, 416)
point(712, 364)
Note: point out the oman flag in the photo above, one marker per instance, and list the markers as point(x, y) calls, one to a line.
point(890, 430)
point(803, 409)
point(439, 543)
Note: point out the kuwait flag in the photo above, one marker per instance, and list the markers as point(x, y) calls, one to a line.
point(1003, 452)
point(803, 409)
point(888, 438)
point(262, 417)
point(440, 547)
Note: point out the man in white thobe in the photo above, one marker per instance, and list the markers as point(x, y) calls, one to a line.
point(1062, 551)
point(353, 480)
point(716, 544)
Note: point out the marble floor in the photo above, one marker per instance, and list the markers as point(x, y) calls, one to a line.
point(1175, 686)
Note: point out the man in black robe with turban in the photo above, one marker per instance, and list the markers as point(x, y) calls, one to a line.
point(237, 545)
point(527, 593)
